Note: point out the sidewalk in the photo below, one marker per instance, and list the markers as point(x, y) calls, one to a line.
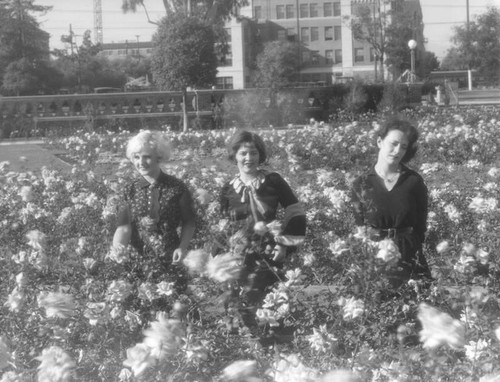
point(10, 142)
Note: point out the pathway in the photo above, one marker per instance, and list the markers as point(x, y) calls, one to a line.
point(30, 156)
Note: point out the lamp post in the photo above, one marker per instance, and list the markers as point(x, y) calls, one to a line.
point(412, 44)
point(138, 48)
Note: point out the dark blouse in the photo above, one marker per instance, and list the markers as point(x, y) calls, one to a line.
point(271, 191)
point(165, 201)
point(402, 207)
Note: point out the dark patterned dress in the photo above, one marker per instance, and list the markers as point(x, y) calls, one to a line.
point(244, 205)
point(399, 213)
point(155, 218)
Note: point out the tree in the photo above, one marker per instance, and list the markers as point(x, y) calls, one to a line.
point(398, 54)
point(387, 26)
point(213, 12)
point(454, 60)
point(369, 24)
point(134, 67)
point(183, 55)
point(83, 69)
point(426, 62)
point(25, 77)
point(24, 47)
point(277, 65)
point(479, 45)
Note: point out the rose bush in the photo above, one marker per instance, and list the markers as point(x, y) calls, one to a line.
point(73, 309)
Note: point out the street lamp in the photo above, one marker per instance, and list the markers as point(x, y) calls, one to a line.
point(138, 48)
point(412, 44)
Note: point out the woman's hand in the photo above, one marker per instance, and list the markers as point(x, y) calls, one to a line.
point(279, 253)
point(178, 255)
point(122, 235)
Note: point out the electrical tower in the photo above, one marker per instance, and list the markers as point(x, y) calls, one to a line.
point(97, 22)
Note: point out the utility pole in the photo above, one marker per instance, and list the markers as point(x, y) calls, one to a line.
point(98, 39)
point(71, 41)
point(469, 73)
point(138, 48)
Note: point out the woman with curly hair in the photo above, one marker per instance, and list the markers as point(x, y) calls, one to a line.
point(154, 206)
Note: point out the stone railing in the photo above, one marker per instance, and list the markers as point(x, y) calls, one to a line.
point(109, 105)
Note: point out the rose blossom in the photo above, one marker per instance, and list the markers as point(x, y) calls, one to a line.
point(139, 358)
point(56, 365)
point(439, 328)
point(57, 304)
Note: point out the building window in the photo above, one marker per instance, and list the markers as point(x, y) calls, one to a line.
point(227, 58)
point(306, 57)
point(328, 33)
point(304, 11)
point(313, 10)
point(224, 82)
point(338, 56)
point(280, 12)
point(337, 32)
point(305, 77)
point(257, 12)
point(290, 34)
point(304, 35)
point(359, 55)
point(315, 57)
point(290, 12)
point(282, 35)
point(327, 9)
point(314, 33)
point(316, 77)
point(336, 9)
point(329, 57)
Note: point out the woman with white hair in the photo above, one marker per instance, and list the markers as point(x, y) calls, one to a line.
point(155, 205)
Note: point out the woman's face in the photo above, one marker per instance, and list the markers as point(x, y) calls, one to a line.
point(147, 162)
point(247, 159)
point(393, 146)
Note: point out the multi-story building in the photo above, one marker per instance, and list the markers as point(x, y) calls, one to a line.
point(122, 49)
point(328, 52)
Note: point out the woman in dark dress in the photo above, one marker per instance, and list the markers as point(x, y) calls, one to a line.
point(155, 206)
point(391, 200)
point(251, 201)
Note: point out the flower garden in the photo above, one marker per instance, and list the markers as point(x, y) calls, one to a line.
point(71, 309)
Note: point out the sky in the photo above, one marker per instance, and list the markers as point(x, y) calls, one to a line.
point(439, 17)
point(117, 26)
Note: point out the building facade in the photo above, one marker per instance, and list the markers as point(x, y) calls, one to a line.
point(328, 52)
point(117, 50)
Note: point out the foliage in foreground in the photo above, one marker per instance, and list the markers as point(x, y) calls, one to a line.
point(72, 309)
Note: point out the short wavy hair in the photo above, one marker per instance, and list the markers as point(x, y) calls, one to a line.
point(240, 138)
point(405, 127)
point(156, 140)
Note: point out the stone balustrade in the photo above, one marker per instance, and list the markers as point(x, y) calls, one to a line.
point(109, 105)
